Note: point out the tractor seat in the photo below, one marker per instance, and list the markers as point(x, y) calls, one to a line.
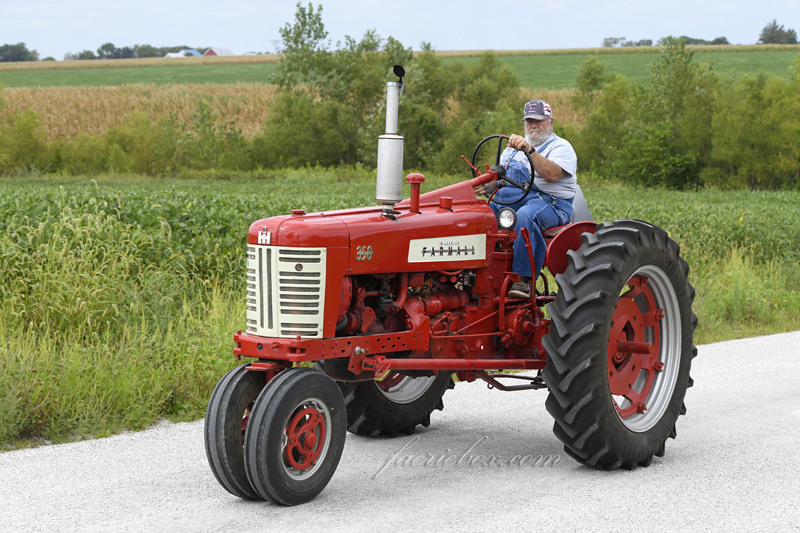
point(549, 233)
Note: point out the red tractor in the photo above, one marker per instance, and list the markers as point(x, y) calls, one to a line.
point(385, 304)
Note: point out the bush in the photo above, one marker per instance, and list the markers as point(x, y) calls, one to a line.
point(200, 144)
point(670, 126)
point(484, 100)
point(755, 132)
point(132, 145)
point(23, 145)
point(329, 97)
point(299, 131)
point(605, 131)
point(654, 135)
point(87, 154)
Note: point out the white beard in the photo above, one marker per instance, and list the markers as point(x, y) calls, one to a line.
point(538, 137)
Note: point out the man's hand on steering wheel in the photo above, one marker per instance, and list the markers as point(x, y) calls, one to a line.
point(518, 142)
point(524, 147)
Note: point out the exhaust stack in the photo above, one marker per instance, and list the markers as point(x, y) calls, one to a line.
point(389, 188)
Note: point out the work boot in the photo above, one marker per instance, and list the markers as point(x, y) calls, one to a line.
point(521, 289)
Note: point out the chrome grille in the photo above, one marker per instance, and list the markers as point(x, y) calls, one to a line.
point(285, 291)
point(252, 293)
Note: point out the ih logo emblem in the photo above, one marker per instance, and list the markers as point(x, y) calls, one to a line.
point(264, 237)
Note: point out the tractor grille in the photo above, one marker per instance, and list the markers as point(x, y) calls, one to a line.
point(285, 291)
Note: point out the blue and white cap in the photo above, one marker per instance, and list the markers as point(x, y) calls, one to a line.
point(538, 109)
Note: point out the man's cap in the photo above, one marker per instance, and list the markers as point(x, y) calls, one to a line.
point(537, 109)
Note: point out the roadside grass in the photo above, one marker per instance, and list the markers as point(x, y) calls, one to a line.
point(742, 298)
point(63, 386)
point(120, 294)
point(537, 69)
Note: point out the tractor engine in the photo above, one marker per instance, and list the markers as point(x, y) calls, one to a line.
point(431, 268)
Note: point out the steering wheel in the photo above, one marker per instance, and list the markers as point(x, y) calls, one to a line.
point(501, 175)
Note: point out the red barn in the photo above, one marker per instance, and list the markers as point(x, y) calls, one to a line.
point(217, 51)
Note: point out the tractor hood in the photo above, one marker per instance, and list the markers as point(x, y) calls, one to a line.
point(436, 238)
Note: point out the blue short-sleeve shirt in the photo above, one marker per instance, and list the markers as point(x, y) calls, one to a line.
point(560, 152)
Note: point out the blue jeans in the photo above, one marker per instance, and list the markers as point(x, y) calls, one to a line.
point(537, 212)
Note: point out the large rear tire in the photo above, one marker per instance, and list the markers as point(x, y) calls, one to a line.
point(227, 417)
point(620, 345)
point(397, 404)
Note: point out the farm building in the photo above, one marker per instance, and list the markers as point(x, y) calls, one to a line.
point(217, 51)
point(187, 52)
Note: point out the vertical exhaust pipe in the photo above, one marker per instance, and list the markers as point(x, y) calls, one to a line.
point(389, 188)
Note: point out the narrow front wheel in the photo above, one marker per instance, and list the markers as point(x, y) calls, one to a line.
point(295, 437)
point(227, 417)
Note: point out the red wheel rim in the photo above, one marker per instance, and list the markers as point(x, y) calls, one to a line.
point(305, 438)
point(633, 347)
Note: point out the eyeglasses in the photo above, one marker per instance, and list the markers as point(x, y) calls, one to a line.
point(533, 121)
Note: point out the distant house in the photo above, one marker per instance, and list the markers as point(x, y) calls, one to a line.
point(188, 52)
point(217, 51)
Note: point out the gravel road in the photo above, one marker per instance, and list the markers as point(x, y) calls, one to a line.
point(735, 466)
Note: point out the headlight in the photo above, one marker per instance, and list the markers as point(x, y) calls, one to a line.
point(507, 218)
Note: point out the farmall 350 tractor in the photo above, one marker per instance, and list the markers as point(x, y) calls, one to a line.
point(389, 302)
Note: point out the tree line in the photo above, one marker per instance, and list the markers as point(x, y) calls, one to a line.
point(610, 42)
point(773, 33)
point(109, 51)
point(20, 52)
point(687, 127)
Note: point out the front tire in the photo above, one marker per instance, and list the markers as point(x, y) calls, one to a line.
point(227, 416)
point(620, 345)
point(295, 437)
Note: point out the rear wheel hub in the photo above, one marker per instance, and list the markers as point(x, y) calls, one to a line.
point(633, 343)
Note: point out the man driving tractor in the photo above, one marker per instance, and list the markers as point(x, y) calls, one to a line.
point(549, 203)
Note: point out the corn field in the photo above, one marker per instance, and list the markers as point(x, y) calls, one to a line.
point(68, 111)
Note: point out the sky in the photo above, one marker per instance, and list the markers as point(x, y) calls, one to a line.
point(55, 27)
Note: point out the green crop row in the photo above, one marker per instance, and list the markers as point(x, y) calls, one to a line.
point(119, 295)
point(537, 69)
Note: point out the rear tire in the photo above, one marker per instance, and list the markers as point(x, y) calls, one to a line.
point(624, 292)
point(398, 404)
